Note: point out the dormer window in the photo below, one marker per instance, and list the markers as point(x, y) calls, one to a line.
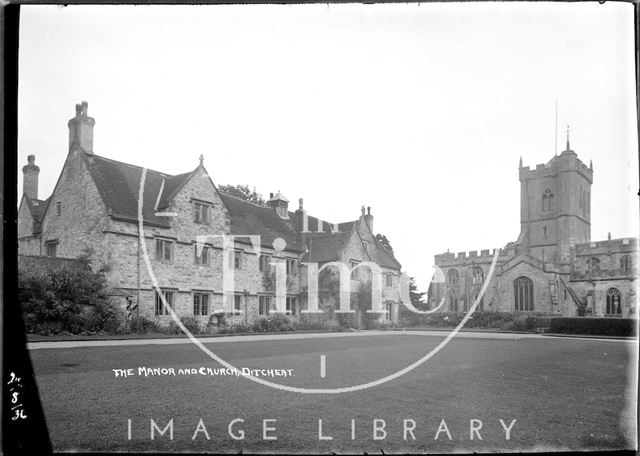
point(201, 212)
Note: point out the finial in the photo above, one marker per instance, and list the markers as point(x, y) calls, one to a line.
point(591, 165)
point(201, 159)
point(520, 161)
point(362, 210)
point(609, 235)
point(568, 129)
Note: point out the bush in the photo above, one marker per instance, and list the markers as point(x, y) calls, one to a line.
point(142, 325)
point(192, 324)
point(623, 327)
point(346, 320)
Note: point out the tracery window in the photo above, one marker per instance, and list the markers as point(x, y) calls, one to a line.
point(523, 293)
point(614, 302)
point(477, 275)
point(547, 201)
point(453, 277)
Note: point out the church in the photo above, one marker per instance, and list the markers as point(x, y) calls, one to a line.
point(553, 267)
point(95, 205)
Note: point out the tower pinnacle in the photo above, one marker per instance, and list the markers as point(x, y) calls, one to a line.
point(568, 129)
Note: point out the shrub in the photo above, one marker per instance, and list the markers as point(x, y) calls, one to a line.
point(143, 325)
point(192, 324)
point(346, 320)
point(624, 327)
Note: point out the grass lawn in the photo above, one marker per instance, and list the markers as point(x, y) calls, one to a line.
point(563, 394)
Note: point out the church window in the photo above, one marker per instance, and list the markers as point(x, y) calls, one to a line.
point(453, 277)
point(547, 201)
point(453, 301)
point(593, 265)
point(477, 276)
point(625, 264)
point(474, 296)
point(614, 302)
point(523, 293)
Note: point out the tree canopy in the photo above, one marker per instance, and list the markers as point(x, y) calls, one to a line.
point(243, 192)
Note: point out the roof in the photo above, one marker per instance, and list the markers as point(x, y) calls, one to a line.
point(326, 247)
point(37, 209)
point(252, 219)
point(119, 186)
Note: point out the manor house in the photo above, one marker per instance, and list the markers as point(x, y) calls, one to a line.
point(553, 267)
point(95, 205)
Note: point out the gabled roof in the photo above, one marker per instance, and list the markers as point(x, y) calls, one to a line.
point(37, 209)
point(326, 247)
point(119, 184)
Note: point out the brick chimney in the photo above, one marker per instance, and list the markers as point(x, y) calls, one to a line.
point(81, 128)
point(30, 178)
point(369, 218)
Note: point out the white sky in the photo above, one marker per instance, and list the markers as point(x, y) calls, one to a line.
point(420, 111)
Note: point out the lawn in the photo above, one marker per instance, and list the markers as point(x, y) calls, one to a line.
point(563, 394)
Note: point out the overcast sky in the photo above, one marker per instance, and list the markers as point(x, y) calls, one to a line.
point(420, 111)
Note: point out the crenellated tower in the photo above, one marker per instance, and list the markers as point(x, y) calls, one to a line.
point(555, 207)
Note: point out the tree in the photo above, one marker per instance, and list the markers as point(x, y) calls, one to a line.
point(382, 239)
point(417, 300)
point(243, 192)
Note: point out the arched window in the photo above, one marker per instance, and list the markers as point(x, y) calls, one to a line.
point(523, 293)
point(547, 201)
point(453, 277)
point(593, 266)
point(474, 295)
point(453, 301)
point(477, 275)
point(614, 302)
point(625, 264)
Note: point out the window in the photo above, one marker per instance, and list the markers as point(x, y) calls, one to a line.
point(389, 279)
point(200, 303)
point(453, 301)
point(168, 296)
point(201, 212)
point(237, 304)
point(291, 266)
point(354, 269)
point(593, 266)
point(547, 201)
point(164, 249)
point(389, 310)
point(204, 257)
point(474, 296)
point(523, 294)
point(291, 305)
point(477, 275)
point(264, 304)
point(453, 277)
point(52, 247)
point(235, 259)
point(544, 231)
point(614, 303)
point(58, 208)
point(625, 264)
point(264, 263)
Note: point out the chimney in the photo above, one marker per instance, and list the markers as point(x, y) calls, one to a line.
point(30, 178)
point(81, 128)
point(280, 204)
point(369, 218)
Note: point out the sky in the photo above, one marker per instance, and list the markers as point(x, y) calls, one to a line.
point(420, 111)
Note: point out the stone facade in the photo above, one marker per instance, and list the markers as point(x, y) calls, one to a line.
point(95, 205)
point(553, 267)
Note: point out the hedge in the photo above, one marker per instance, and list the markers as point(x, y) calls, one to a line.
point(623, 327)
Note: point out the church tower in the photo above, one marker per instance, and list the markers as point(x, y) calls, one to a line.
point(555, 207)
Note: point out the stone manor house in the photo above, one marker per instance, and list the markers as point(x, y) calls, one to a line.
point(95, 205)
point(553, 267)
